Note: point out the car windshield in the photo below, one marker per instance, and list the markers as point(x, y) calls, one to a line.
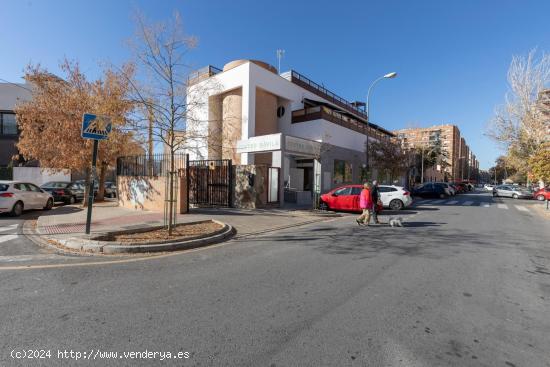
point(55, 184)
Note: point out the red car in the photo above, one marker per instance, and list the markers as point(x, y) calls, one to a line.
point(345, 198)
point(542, 194)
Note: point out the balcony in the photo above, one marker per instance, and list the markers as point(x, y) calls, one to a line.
point(202, 74)
point(325, 113)
point(321, 91)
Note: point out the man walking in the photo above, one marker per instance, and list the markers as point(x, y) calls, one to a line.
point(375, 197)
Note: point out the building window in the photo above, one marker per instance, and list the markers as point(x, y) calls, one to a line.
point(342, 171)
point(280, 111)
point(8, 125)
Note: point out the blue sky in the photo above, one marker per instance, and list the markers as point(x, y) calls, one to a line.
point(451, 56)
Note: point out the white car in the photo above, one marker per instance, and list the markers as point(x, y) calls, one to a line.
point(17, 196)
point(394, 197)
point(488, 187)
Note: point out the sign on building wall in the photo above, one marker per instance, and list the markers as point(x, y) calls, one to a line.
point(298, 145)
point(262, 143)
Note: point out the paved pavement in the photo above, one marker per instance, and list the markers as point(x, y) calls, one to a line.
point(462, 284)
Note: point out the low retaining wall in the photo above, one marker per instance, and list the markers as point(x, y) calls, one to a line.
point(148, 193)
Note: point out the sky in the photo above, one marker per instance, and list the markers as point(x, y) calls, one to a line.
point(451, 56)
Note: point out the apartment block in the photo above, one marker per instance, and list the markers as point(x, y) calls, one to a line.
point(460, 163)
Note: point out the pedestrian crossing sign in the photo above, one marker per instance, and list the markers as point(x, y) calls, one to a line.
point(95, 127)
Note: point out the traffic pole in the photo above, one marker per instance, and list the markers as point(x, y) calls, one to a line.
point(91, 188)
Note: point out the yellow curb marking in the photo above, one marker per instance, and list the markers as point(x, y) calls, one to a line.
point(146, 258)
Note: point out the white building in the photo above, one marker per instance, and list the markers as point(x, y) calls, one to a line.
point(250, 114)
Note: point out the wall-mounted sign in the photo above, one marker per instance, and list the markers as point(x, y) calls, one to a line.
point(262, 143)
point(304, 146)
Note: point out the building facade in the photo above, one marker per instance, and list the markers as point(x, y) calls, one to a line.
point(250, 114)
point(10, 95)
point(458, 165)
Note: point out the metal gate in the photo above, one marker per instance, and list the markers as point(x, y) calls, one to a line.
point(209, 182)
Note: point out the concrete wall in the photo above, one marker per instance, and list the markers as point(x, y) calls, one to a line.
point(39, 176)
point(148, 193)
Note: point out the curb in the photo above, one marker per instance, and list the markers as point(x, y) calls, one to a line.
point(84, 247)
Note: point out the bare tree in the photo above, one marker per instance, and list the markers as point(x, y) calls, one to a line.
point(519, 125)
point(160, 51)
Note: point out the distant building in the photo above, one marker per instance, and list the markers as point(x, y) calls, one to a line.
point(10, 95)
point(460, 163)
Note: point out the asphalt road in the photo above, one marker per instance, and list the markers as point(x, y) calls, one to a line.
point(466, 282)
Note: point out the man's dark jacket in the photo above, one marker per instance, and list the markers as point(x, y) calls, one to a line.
point(374, 194)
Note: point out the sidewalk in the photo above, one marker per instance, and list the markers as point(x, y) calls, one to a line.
point(70, 221)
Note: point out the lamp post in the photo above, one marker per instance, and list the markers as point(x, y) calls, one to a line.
point(387, 76)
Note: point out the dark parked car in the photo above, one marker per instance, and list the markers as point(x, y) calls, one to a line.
point(431, 190)
point(110, 189)
point(67, 192)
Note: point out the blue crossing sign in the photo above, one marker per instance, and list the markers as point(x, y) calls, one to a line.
point(95, 127)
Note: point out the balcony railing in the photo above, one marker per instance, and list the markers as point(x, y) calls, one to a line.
point(202, 74)
point(325, 113)
point(321, 91)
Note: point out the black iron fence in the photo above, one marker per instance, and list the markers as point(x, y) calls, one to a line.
point(6, 173)
point(210, 182)
point(149, 165)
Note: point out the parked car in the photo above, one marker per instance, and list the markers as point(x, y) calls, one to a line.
point(542, 194)
point(67, 192)
point(489, 187)
point(394, 197)
point(432, 190)
point(17, 196)
point(449, 187)
point(344, 198)
point(511, 191)
point(110, 189)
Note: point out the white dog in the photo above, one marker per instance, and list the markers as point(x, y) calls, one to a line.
point(396, 222)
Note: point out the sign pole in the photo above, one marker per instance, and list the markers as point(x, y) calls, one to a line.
point(91, 188)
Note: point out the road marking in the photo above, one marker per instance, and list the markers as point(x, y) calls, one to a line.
point(452, 202)
point(521, 208)
point(485, 205)
point(468, 202)
point(147, 257)
point(502, 206)
point(7, 228)
point(8, 237)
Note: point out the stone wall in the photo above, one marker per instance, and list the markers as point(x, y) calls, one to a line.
point(250, 186)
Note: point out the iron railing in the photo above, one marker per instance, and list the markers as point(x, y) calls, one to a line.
point(149, 165)
point(202, 74)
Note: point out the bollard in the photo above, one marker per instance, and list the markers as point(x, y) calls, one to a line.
point(547, 201)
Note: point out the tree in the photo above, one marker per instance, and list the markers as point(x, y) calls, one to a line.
point(389, 158)
point(502, 169)
point(50, 122)
point(540, 164)
point(160, 50)
point(519, 125)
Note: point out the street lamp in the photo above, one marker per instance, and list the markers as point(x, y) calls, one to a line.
point(387, 76)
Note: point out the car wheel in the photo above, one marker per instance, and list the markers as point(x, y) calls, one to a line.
point(49, 204)
point(442, 196)
point(515, 196)
point(541, 198)
point(17, 209)
point(323, 206)
point(396, 204)
point(72, 200)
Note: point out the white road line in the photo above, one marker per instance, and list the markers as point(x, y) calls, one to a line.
point(452, 202)
point(502, 206)
point(522, 208)
point(8, 237)
point(485, 205)
point(467, 202)
point(8, 228)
